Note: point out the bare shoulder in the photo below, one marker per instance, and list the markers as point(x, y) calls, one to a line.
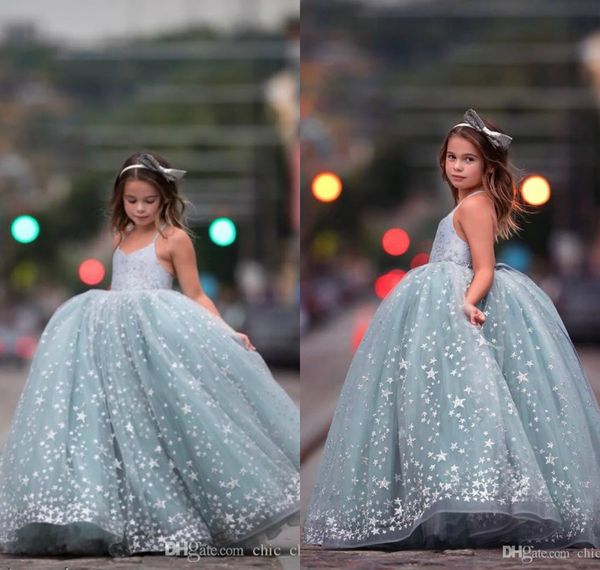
point(116, 239)
point(176, 238)
point(477, 208)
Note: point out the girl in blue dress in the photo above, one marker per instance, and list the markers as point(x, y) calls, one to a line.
point(147, 423)
point(465, 419)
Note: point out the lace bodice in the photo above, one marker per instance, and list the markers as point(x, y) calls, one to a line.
point(139, 269)
point(447, 245)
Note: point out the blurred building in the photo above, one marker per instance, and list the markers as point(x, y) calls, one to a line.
point(383, 82)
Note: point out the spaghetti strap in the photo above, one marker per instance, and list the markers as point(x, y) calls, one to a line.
point(468, 196)
point(158, 232)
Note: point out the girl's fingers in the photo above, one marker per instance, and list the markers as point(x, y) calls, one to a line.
point(477, 318)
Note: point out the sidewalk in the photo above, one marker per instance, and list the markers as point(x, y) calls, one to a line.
point(468, 559)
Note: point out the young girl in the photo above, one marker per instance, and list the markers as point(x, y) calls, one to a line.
point(146, 422)
point(465, 419)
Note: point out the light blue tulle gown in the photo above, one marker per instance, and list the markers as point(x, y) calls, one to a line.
point(144, 423)
point(450, 435)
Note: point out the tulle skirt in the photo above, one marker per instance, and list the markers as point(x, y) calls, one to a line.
point(143, 424)
point(451, 435)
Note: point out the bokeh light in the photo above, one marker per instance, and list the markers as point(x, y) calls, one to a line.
point(361, 324)
point(25, 229)
point(535, 190)
point(91, 271)
point(325, 245)
point(24, 274)
point(25, 347)
point(516, 255)
point(326, 187)
point(419, 259)
point(210, 284)
point(386, 282)
point(222, 231)
point(395, 241)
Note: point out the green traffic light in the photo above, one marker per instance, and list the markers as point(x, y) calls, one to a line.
point(25, 229)
point(222, 231)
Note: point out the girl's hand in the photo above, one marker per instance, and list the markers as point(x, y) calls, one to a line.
point(475, 316)
point(245, 341)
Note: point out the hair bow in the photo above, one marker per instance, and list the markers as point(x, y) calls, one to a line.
point(148, 161)
point(473, 120)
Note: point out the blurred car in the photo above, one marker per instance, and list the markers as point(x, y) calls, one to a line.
point(578, 303)
point(274, 330)
point(326, 295)
point(16, 347)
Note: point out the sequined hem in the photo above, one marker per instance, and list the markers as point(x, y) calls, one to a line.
point(44, 530)
point(453, 523)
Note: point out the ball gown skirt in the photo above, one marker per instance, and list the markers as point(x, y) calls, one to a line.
point(451, 435)
point(145, 422)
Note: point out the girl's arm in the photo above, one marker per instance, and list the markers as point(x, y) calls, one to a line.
point(184, 263)
point(183, 257)
point(477, 220)
point(116, 240)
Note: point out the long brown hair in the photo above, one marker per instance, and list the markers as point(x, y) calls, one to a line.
point(172, 204)
point(498, 180)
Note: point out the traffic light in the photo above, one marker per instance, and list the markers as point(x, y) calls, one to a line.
point(395, 241)
point(222, 231)
point(535, 190)
point(24, 274)
point(91, 271)
point(386, 282)
point(419, 259)
point(326, 187)
point(25, 229)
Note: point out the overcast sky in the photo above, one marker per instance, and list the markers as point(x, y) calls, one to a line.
point(81, 22)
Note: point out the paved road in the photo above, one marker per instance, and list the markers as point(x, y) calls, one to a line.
point(467, 559)
point(280, 553)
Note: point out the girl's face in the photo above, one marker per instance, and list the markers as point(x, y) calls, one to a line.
point(464, 164)
point(141, 201)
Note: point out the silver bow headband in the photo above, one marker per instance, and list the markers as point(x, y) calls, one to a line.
point(150, 163)
point(497, 139)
